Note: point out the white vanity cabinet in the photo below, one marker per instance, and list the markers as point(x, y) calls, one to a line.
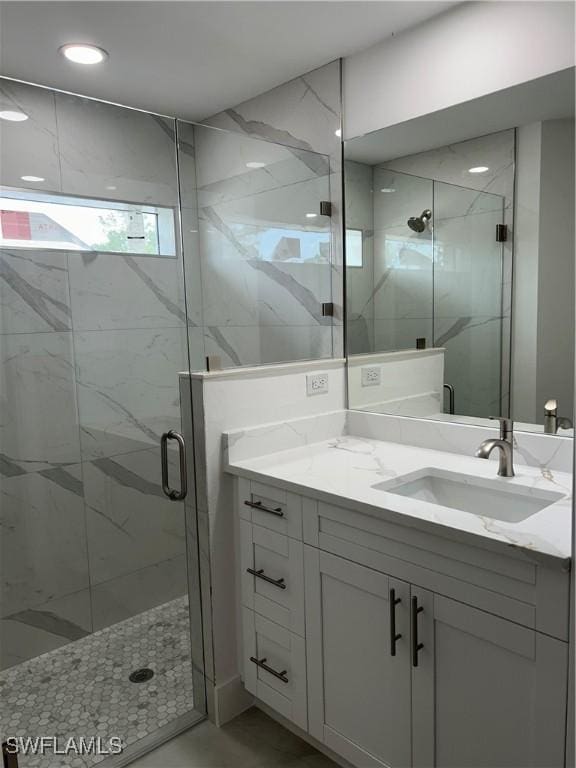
point(358, 676)
point(486, 691)
point(419, 650)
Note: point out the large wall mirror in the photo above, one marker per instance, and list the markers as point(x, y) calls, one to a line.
point(460, 261)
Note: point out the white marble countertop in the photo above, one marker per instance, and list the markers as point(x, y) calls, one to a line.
point(343, 471)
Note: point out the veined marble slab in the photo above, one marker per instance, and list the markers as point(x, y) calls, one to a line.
point(344, 468)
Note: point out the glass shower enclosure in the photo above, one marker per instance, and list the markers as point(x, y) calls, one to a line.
point(439, 282)
point(131, 247)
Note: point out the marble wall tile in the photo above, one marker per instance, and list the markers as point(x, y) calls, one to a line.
point(472, 363)
point(34, 291)
point(192, 266)
point(235, 345)
point(396, 334)
point(224, 169)
point(30, 147)
point(304, 113)
point(128, 387)
point(130, 522)
point(131, 594)
point(451, 163)
point(109, 291)
point(360, 280)
point(44, 552)
point(33, 631)
point(243, 444)
point(287, 342)
point(38, 412)
point(543, 451)
point(104, 146)
point(468, 260)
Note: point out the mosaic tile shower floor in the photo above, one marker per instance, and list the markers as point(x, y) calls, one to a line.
point(82, 689)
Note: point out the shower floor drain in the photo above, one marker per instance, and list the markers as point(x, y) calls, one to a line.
point(141, 675)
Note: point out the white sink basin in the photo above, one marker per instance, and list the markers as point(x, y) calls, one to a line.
point(496, 499)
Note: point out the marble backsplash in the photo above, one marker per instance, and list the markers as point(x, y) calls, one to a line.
point(546, 452)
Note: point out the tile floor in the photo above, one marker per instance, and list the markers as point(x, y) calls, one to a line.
point(82, 689)
point(252, 740)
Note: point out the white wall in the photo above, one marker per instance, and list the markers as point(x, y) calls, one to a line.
point(525, 294)
point(556, 267)
point(224, 401)
point(411, 382)
point(467, 52)
point(543, 354)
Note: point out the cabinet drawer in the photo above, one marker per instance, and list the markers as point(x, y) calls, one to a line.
point(512, 586)
point(272, 575)
point(270, 507)
point(274, 667)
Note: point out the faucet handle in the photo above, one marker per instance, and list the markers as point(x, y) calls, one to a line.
point(551, 407)
point(506, 426)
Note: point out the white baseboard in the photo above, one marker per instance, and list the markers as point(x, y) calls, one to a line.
point(230, 700)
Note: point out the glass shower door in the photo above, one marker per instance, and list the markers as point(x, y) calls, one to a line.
point(468, 295)
point(95, 622)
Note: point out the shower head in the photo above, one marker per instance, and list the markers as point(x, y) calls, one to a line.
point(418, 223)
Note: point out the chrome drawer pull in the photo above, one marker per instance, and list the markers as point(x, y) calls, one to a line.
point(262, 664)
point(258, 505)
point(261, 575)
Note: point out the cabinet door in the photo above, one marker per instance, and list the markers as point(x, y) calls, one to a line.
point(358, 678)
point(486, 692)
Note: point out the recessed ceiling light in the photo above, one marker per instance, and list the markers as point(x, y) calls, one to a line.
point(479, 169)
point(311, 215)
point(111, 187)
point(387, 189)
point(83, 54)
point(13, 116)
point(32, 178)
point(255, 164)
point(338, 133)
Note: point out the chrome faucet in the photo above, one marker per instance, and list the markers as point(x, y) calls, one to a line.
point(553, 422)
point(505, 445)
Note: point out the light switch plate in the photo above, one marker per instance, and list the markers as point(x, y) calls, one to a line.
point(371, 376)
point(316, 383)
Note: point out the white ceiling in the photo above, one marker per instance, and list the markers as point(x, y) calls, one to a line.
point(547, 98)
point(192, 59)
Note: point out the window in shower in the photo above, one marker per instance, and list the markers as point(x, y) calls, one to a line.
point(354, 248)
point(282, 244)
point(33, 219)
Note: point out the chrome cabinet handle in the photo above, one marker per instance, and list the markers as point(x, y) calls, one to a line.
point(258, 505)
point(262, 664)
point(170, 492)
point(416, 646)
point(394, 636)
point(261, 575)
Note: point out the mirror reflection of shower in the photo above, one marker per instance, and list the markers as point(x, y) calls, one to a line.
point(419, 223)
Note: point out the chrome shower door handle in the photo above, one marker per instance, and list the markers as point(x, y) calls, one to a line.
point(170, 492)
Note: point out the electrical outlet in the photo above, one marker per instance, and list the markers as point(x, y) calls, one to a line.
point(371, 376)
point(316, 383)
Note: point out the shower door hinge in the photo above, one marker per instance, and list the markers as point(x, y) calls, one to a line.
point(325, 208)
point(213, 363)
point(501, 233)
point(327, 309)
